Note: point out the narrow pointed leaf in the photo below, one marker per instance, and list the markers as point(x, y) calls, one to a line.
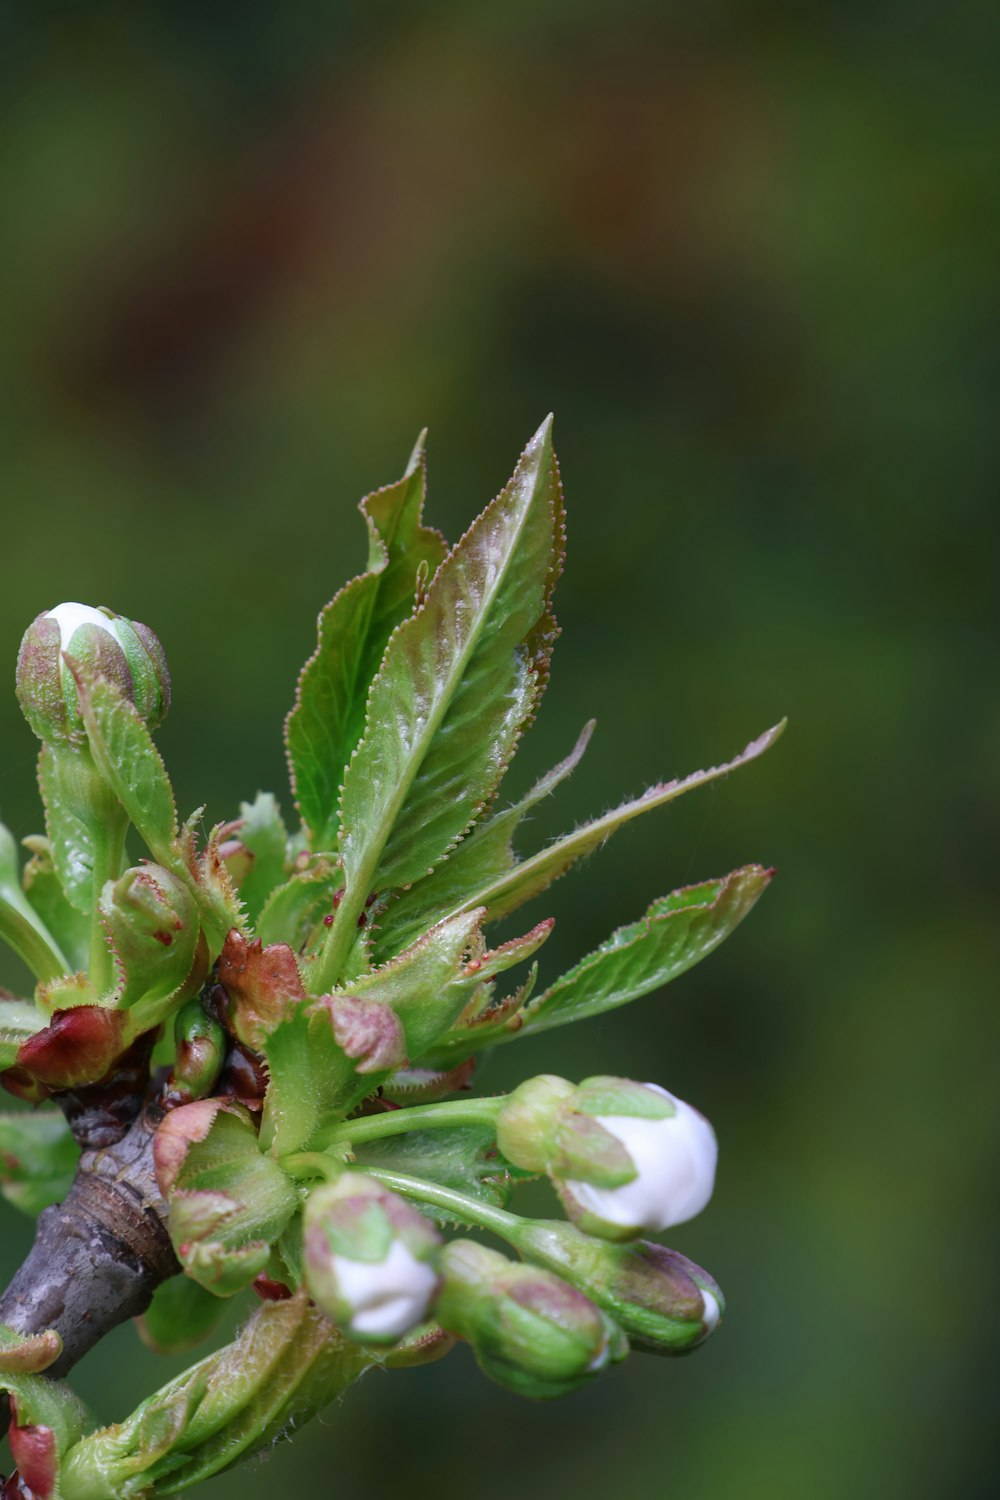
point(506, 892)
point(458, 684)
point(20, 925)
point(675, 933)
point(485, 855)
point(329, 714)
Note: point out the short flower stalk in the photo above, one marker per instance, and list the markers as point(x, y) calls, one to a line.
point(251, 1054)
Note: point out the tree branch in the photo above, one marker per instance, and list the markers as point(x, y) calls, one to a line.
point(99, 1256)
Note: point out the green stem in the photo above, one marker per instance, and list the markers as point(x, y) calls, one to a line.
point(417, 1117)
point(468, 1210)
point(304, 1165)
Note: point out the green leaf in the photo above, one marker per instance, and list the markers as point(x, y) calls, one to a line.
point(20, 925)
point(38, 1158)
point(459, 682)
point(123, 749)
point(228, 1201)
point(284, 1367)
point(464, 1158)
point(19, 1020)
point(263, 832)
point(329, 714)
point(85, 823)
point(506, 892)
point(181, 1315)
point(676, 932)
point(479, 859)
point(69, 927)
point(293, 909)
point(57, 1415)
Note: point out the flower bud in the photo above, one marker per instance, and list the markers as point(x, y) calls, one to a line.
point(152, 927)
point(369, 1259)
point(664, 1302)
point(531, 1331)
point(125, 652)
point(624, 1156)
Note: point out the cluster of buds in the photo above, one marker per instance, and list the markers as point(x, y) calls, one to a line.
point(625, 1157)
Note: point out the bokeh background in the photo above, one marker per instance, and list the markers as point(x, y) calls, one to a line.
point(748, 253)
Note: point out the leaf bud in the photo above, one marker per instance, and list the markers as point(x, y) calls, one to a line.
point(152, 928)
point(531, 1331)
point(664, 1302)
point(201, 1051)
point(625, 1156)
point(123, 651)
point(370, 1259)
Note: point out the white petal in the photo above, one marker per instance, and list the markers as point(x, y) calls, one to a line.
point(69, 618)
point(389, 1296)
point(712, 1311)
point(675, 1160)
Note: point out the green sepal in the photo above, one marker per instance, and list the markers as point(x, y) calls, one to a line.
point(181, 1316)
point(38, 1158)
point(329, 714)
point(284, 1367)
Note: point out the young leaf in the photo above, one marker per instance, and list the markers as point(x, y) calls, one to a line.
point(285, 1365)
point(69, 927)
point(464, 1158)
point(459, 682)
point(484, 855)
point(263, 833)
point(676, 932)
point(506, 892)
point(329, 714)
point(20, 925)
point(19, 1020)
point(38, 1157)
point(47, 1417)
point(124, 751)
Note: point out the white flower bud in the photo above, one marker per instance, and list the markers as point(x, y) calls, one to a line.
point(386, 1298)
point(370, 1259)
point(674, 1160)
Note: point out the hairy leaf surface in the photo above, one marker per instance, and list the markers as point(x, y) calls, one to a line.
point(329, 714)
point(507, 891)
point(459, 682)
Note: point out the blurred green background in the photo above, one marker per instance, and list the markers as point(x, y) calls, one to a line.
point(748, 253)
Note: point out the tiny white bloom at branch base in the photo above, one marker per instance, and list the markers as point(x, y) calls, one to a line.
point(388, 1297)
point(674, 1160)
